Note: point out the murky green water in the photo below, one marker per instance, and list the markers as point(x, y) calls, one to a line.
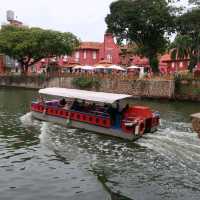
point(43, 161)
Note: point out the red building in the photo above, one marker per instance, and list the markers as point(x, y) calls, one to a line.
point(2, 64)
point(91, 53)
point(168, 65)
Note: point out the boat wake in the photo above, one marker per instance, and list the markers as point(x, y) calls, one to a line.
point(175, 141)
point(124, 165)
point(55, 138)
point(26, 119)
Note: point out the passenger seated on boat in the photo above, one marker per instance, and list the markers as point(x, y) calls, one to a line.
point(41, 100)
point(93, 107)
point(82, 106)
point(112, 112)
point(117, 106)
point(105, 106)
point(125, 109)
point(67, 105)
point(62, 102)
point(117, 115)
point(75, 105)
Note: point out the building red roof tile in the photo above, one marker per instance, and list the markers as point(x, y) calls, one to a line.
point(104, 62)
point(90, 45)
point(165, 57)
point(137, 60)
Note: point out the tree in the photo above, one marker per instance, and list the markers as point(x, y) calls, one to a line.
point(144, 23)
point(188, 23)
point(30, 45)
point(187, 42)
point(182, 48)
point(195, 2)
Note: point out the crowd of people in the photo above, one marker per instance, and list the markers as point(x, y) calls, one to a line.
point(114, 112)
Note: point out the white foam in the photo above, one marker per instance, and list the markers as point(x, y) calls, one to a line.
point(44, 132)
point(173, 143)
point(27, 119)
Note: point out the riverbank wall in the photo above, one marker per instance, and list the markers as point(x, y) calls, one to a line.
point(139, 88)
point(187, 89)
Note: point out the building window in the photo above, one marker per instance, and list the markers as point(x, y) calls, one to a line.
point(94, 55)
point(109, 57)
point(84, 55)
point(65, 58)
point(77, 56)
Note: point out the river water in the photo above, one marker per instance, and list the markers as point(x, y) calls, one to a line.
point(39, 160)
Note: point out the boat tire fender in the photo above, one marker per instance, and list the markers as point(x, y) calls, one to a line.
point(140, 128)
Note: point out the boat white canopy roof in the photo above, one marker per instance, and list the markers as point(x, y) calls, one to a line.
point(84, 94)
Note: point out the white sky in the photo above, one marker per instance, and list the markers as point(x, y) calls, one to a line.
point(84, 18)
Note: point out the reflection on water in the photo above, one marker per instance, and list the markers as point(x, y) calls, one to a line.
point(40, 160)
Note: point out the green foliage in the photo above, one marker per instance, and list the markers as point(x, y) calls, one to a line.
point(187, 41)
point(177, 84)
point(187, 85)
point(195, 2)
point(181, 47)
point(29, 45)
point(86, 82)
point(187, 89)
point(188, 23)
point(143, 22)
point(196, 91)
point(23, 79)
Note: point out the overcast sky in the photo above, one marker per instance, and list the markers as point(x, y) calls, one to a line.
point(84, 18)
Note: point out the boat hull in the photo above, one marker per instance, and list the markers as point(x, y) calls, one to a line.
point(81, 125)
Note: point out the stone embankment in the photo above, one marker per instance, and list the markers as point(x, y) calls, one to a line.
point(196, 123)
point(139, 88)
point(187, 89)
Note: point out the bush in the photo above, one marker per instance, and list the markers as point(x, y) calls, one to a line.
point(86, 83)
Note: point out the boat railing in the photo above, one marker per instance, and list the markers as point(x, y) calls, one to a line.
point(100, 119)
point(95, 114)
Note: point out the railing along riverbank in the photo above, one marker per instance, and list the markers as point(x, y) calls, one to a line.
point(120, 76)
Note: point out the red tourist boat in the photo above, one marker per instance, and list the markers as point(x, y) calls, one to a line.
point(104, 113)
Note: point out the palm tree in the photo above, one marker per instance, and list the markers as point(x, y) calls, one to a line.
point(184, 46)
point(181, 47)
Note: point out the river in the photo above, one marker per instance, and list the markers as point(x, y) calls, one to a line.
point(39, 160)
